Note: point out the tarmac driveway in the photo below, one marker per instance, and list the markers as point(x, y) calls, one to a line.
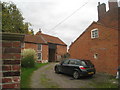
point(45, 77)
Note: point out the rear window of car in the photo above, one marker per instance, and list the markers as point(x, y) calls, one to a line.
point(86, 62)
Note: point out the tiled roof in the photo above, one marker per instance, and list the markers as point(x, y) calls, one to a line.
point(33, 39)
point(43, 38)
point(52, 39)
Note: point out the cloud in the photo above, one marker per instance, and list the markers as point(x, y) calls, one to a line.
point(46, 14)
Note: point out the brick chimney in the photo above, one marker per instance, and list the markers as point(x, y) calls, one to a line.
point(112, 4)
point(39, 32)
point(101, 10)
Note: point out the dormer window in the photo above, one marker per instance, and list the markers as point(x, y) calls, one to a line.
point(94, 33)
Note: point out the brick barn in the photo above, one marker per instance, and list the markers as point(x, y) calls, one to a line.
point(48, 48)
point(99, 42)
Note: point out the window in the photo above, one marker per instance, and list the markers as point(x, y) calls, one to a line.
point(94, 33)
point(72, 62)
point(66, 62)
point(22, 45)
point(96, 56)
point(39, 47)
point(39, 56)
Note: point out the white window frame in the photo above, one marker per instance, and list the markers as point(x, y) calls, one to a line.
point(41, 48)
point(23, 45)
point(93, 34)
point(41, 57)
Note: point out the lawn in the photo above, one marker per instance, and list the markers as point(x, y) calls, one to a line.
point(26, 74)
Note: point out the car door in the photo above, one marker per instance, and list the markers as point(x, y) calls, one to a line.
point(64, 66)
point(71, 66)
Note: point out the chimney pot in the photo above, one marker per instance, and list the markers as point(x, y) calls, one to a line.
point(101, 10)
point(39, 32)
point(98, 3)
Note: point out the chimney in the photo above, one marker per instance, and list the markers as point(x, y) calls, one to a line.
point(112, 4)
point(39, 32)
point(101, 10)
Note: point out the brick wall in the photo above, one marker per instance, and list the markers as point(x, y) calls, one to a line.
point(106, 46)
point(61, 50)
point(31, 45)
point(45, 53)
point(11, 60)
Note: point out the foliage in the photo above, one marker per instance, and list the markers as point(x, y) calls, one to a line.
point(67, 55)
point(26, 74)
point(31, 32)
point(28, 58)
point(12, 19)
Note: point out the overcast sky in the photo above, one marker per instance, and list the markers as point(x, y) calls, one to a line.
point(46, 14)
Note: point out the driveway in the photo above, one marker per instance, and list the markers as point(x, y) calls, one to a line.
point(45, 77)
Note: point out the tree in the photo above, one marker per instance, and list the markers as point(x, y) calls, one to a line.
point(12, 19)
point(31, 32)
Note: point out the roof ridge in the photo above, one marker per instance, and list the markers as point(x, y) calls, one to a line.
point(49, 35)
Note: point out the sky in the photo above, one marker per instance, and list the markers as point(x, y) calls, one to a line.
point(66, 19)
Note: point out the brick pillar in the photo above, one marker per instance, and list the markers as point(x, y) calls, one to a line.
point(11, 60)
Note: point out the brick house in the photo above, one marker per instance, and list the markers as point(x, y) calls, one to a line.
point(48, 48)
point(99, 42)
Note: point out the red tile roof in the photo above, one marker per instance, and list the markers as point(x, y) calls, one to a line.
point(43, 38)
point(33, 39)
point(52, 39)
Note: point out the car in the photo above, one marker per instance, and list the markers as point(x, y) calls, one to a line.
point(75, 67)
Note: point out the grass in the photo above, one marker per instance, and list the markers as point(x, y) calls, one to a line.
point(104, 85)
point(47, 83)
point(109, 83)
point(26, 74)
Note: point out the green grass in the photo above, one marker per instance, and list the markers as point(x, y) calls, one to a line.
point(104, 85)
point(26, 74)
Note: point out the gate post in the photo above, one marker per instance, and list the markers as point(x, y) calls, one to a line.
point(10, 60)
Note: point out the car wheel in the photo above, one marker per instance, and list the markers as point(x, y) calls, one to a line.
point(76, 75)
point(57, 70)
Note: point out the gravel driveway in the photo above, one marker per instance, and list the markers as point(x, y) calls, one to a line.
point(45, 77)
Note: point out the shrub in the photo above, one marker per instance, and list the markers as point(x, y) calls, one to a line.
point(65, 56)
point(28, 58)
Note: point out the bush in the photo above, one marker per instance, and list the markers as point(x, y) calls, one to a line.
point(28, 58)
point(67, 55)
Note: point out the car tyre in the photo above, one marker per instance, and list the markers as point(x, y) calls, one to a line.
point(57, 70)
point(76, 75)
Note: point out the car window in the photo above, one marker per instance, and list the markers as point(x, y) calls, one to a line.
point(83, 63)
point(66, 62)
point(88, 63)
point(77, 62)
point(72, 62)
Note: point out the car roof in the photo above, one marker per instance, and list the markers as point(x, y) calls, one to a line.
point(73, 59)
